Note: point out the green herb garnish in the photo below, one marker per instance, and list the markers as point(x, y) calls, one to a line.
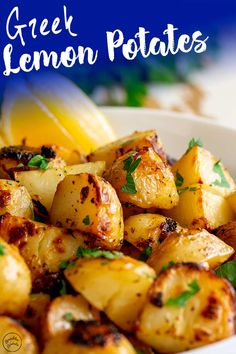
point(145, 254)
point(179, 179)
point(130, 166)
point(2, 250)
point(190, 189)
point(68, 316)
point(96, 253)
point(64, 264)
point(194, 142)
point(228, 271)
point(63, 290)
point(222, 182)
point(38, 161)
point(181, 299)
point(167, 266)
point(86, 220)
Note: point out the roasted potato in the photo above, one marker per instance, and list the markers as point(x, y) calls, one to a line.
point(232, 201)
point(201, 207)
point(15, 199)
point(42, 246)
point(198, 165)
point(89, 203)
point(118, 287)
point(16, 158)
point(146, 229)
point(64, 311)
point(130, 210)
point(42, 184)
point(150, 184)
point(227, 233)
point(15, 281)
point(197, 246)
point(90, 338)
point(188, 307)
point(15, 338)
point(133, 142)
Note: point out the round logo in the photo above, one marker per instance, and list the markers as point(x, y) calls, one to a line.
point(12, 342)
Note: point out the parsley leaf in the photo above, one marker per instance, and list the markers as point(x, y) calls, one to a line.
point(63, 290)
point(86, 220)
point(145, 254)
point(38, 161)
point(68, 316)
point(181, 190)
point(96, 253)
point(181, 299)
point(179, 179)
point(194, 142)
point(222, 182)
point(2, 250)
point(167, 266)
point(228, 271)
point(130, 166)
point(64, 264)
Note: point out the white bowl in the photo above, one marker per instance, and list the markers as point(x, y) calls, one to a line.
point(176, 129)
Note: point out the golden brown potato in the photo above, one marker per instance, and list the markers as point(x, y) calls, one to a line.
point(15, 338)
point(64, 311)
point(118, 287)
point(42, 184)
point(146, 229)
point(188, 307)
point(15, 199)
point(90, 204)
point(42, 246)
point(232, 201)
point(197, 246)
point(15, 281)
point(130, 209)
point(133, 142)
point(201, 207)
point(227, 233)
point(90, 338)
point(150, 184)
point(198, 165)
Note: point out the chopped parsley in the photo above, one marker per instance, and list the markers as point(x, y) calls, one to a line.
point(97, 253)
point(228, 271)
point(68, 316)
point(190, 189)
point(130, 166)
point(145, 254)
point(64, 264)
point(194, 142)
point(179, 179)
point(86, 220)
point(38, 161)
point(222, 182)
point(181, 299)
point(63, 290)
point(167, 266)
point(2, 250)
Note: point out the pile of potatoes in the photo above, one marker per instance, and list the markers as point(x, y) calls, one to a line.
point(116, 254)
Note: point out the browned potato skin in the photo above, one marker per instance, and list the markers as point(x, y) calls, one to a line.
point(87, 195)
point(89, 338)
point(133, 142)
point(15, 281)
point(55, 323)
point(208, 316)
point(130, 210)
point(15, 199)
point(153, 180)
point(197, 246)
point(43, 247)
point(118, 287)
point(26, 342)
point(227, 233)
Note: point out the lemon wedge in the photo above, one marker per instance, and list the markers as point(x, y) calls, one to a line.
point(50, 109)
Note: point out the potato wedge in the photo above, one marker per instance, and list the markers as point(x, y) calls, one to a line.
point(42, 184)
point(128, 279)
point(197, 246)
point(130, 209)
point(64, 311)
point(227, 233)
point(201, 207)
point(15, 338)
point(152, 181)
point(15, 199)
point(172, 322)
point(198, 165)
point(15, 281)
point(42, 246)
point(89, 338)
point(89, 203)
point(232, 201)
point(133, 142)
point(146, 229)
